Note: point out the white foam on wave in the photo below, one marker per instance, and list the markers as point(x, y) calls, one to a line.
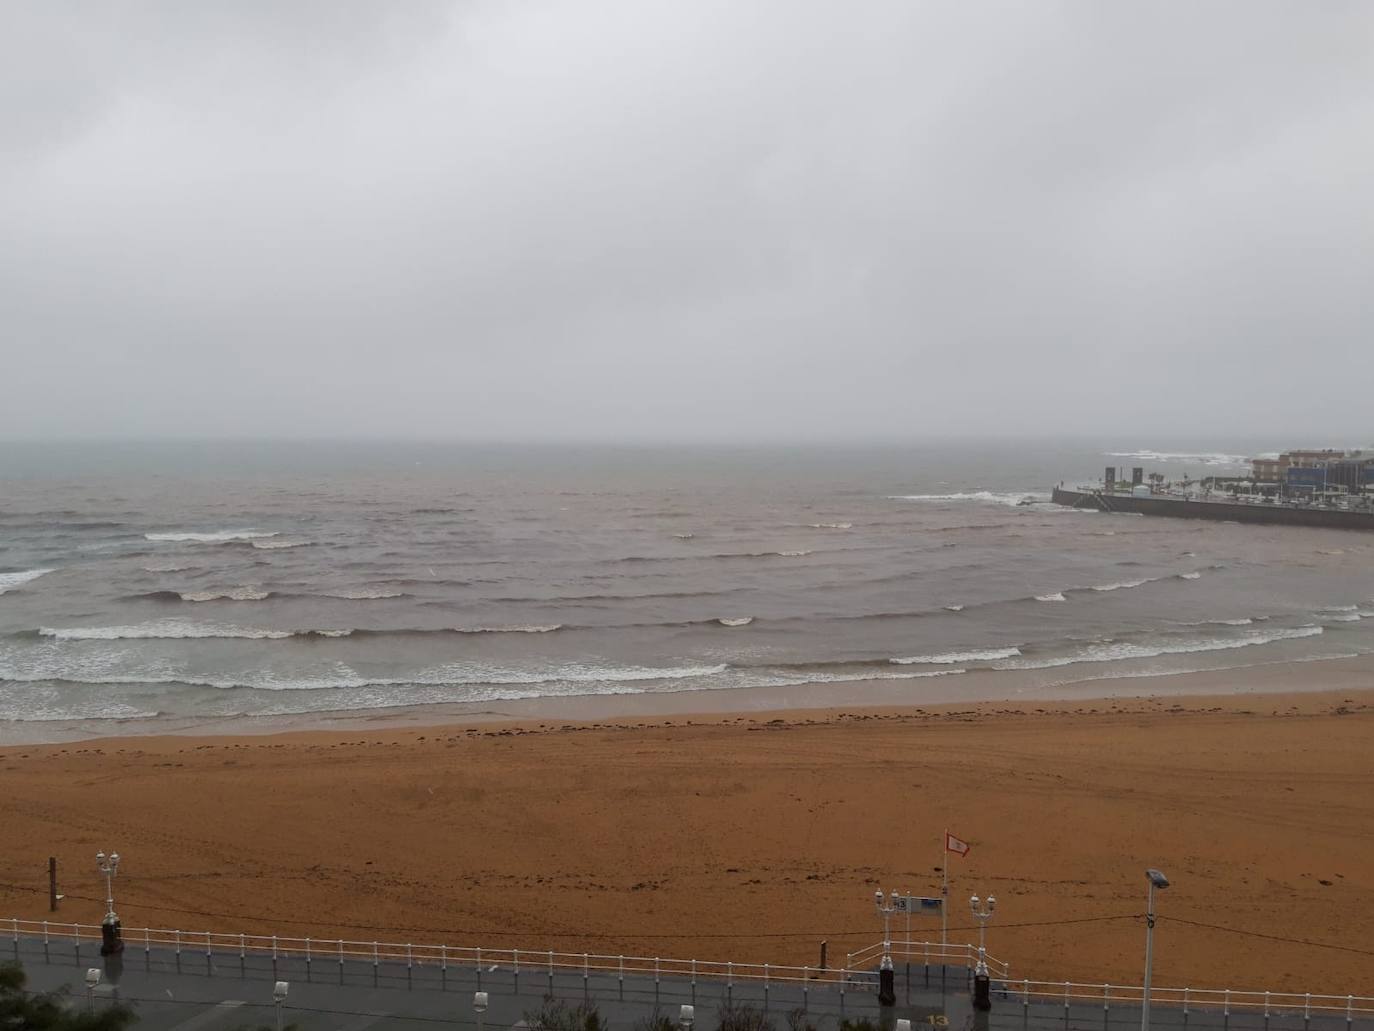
point(1123, 585)
point(160, 629)
point(275, 545)
point(213, 537)
point(365, 594)
point(1342, 617)
point(1056, 596)
point(831, 526)
point(1116, 651)
point(1195, 575)
point(1340, 608)
point(949, 658)
point(533, 628)
point(245, 593)
point(735, 621)
point(1011, 499)
point(9, 581)
point(954, 608)
point(166, 567)
point(1215, 458)
point(794, 554)
point(684, 536)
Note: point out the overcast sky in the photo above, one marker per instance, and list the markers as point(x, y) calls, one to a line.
point(692, 219)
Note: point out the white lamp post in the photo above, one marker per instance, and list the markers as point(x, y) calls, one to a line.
point(982, 911)
point(479, 1003)
point(279, 991)
point(92, 979)
point(887, 992)
point(1157, 880)
point(110, 941)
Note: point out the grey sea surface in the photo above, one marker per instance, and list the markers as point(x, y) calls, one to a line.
point(165, 582)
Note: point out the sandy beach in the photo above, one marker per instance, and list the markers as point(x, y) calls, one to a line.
point(752, 836)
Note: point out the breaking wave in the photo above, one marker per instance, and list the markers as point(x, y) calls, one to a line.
point(1115, 651)
point(1123, 585)
point(166, 628)
point(1012, 499)
point(1056, 596)
point(1214, 458)
point(9, 581)
point(735, 621)
point(831, 526)
point(213, 537)
point(949, 658)
point(247, 593)
point(275, 545)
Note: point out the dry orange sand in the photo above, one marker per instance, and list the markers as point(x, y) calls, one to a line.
point(747, 838)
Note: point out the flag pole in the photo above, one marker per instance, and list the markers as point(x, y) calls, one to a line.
point(944, 891)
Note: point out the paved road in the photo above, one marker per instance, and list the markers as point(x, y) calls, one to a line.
point(221, 992)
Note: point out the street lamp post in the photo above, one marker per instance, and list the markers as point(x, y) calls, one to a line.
point(1157, 880)
point(110, 941)
point(92, 979)
point(887, 991)
point(982, 912)
point(279, 991)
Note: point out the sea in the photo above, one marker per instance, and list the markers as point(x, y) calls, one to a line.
point(168, 583)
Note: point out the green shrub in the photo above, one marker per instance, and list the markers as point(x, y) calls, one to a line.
point(557, 1015)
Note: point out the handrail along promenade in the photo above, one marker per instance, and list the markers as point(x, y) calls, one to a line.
point(858, 973)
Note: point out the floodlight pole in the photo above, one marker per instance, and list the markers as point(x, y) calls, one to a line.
point(1157, 880)
point(110, 941)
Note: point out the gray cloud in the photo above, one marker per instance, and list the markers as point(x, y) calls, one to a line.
point(705, 220)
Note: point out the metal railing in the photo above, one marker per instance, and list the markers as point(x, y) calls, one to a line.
point(858, 973)
point(535, 962)
point(1223, 1000)
point(928, 954)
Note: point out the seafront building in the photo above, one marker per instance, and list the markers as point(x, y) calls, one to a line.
point(1351, 472)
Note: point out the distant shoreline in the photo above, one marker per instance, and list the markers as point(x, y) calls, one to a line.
point(1310, 676)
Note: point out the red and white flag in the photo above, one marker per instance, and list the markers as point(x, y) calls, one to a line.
point(953, 844)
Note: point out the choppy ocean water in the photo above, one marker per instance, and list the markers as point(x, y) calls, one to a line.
point(215, 580)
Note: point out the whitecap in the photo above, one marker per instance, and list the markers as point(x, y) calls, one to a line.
point(986, 655)
point(246, 593)
point(540, 628)
point(684, 536)
point(1012, 499)
point(1057, 596)
point(735, 621)
point(1214, 458)
point(831, 526)
point(1116, 651)
point(954, 608)
point(365, 594)
point(1123, 585)
point(793, 554)
point(273, 545)
point(214, 537)
point(161, 629)
point(1195, 575)
point(9, 581)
